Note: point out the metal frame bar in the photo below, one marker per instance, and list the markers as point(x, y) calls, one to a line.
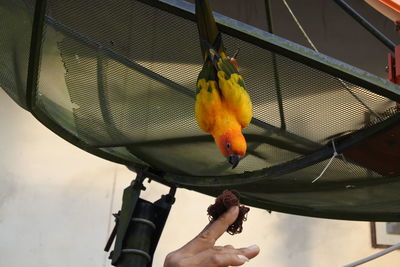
point(110, 126)
point(366, 24)
point(275, 67)
point(34, 53)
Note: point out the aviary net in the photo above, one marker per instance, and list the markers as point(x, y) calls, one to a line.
point(118, 80)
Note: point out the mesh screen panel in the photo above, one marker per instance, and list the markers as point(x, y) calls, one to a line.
point(120, 79)
point(15, 33)
point(113, 59)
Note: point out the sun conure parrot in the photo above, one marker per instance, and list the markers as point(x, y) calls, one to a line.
point(223, 107)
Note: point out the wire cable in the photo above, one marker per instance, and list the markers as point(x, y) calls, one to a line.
point(316, 50)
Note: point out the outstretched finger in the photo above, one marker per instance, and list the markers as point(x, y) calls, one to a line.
point(206, 239)
point(224, 260)
point(249, 252)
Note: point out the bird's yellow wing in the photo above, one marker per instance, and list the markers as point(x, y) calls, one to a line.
point(233, 91)
point(208, 104)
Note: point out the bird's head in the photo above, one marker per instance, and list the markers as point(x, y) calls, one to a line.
point(232, 145)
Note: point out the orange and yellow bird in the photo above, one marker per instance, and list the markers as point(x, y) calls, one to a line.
point(223, 106)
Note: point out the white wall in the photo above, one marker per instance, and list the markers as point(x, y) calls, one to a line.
point(56, 203)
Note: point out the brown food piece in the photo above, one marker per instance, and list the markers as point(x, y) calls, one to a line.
point(223, 202)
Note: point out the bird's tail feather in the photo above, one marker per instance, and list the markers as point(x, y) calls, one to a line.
point(208, 30)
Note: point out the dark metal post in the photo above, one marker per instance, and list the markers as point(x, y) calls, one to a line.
point(138, 240)
point(368, 26)
point(275, 67)
point(138, 226)
point(34, 53)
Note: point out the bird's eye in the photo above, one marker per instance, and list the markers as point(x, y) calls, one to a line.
point(228, 146)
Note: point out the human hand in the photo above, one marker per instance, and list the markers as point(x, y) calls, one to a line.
point(201, 252)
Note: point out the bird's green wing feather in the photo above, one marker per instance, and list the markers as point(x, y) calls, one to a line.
point(208, 30)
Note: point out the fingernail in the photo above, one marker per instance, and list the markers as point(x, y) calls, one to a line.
point(244, 258)
point(253, 248)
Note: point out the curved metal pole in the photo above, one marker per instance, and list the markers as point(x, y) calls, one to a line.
point(34, 54)
point(275, 67)
point(368, 26)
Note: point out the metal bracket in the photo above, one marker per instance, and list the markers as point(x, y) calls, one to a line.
point(393, 67)
point(138, 226)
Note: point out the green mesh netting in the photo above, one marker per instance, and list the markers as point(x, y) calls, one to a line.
point(118, 81)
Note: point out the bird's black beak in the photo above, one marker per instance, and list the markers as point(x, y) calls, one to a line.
point(234, 160)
